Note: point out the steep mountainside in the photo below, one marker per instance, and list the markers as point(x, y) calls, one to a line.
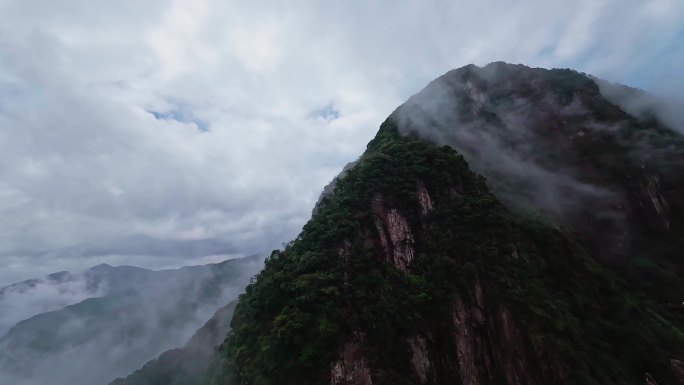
point(559, 268)
point(143, 314)
point(188, 364)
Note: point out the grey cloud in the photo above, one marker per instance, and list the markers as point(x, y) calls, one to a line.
point(85, 165)
point(137, 245)
point(506, 121)
point(502, 145)
point(644, 105)
point(26, 299)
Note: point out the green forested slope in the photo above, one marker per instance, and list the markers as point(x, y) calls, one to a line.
point(412, 272)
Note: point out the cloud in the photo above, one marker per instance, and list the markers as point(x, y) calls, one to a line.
point(645, 106)
point(26, 299)
point(187, 123)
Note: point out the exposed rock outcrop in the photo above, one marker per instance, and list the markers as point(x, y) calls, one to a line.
point(343, 252)
point(426, 204)
point(678, 370)
point(394, 234)
point(660, 205)
point(420, 359)
point(352, 367)
point(487, 338)
point(513, 353)
point(465, 342)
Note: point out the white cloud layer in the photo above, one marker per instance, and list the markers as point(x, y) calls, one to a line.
point(161, 133)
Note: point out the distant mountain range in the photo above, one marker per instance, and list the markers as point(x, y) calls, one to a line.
point(89, 327)
point(25, 299)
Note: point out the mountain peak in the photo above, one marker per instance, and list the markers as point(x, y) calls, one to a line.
point(485, 235)
point(549, 140)
point(102, 266)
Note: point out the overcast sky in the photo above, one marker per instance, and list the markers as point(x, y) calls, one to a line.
point(163, 133)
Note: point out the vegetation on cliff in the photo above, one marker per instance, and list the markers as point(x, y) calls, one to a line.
point(536, 306)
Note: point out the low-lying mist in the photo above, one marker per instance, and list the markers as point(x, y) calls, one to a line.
point(139, 314)
point(26, 299)
point(540, 138)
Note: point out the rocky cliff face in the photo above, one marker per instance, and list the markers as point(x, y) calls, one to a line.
point(416, 270)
